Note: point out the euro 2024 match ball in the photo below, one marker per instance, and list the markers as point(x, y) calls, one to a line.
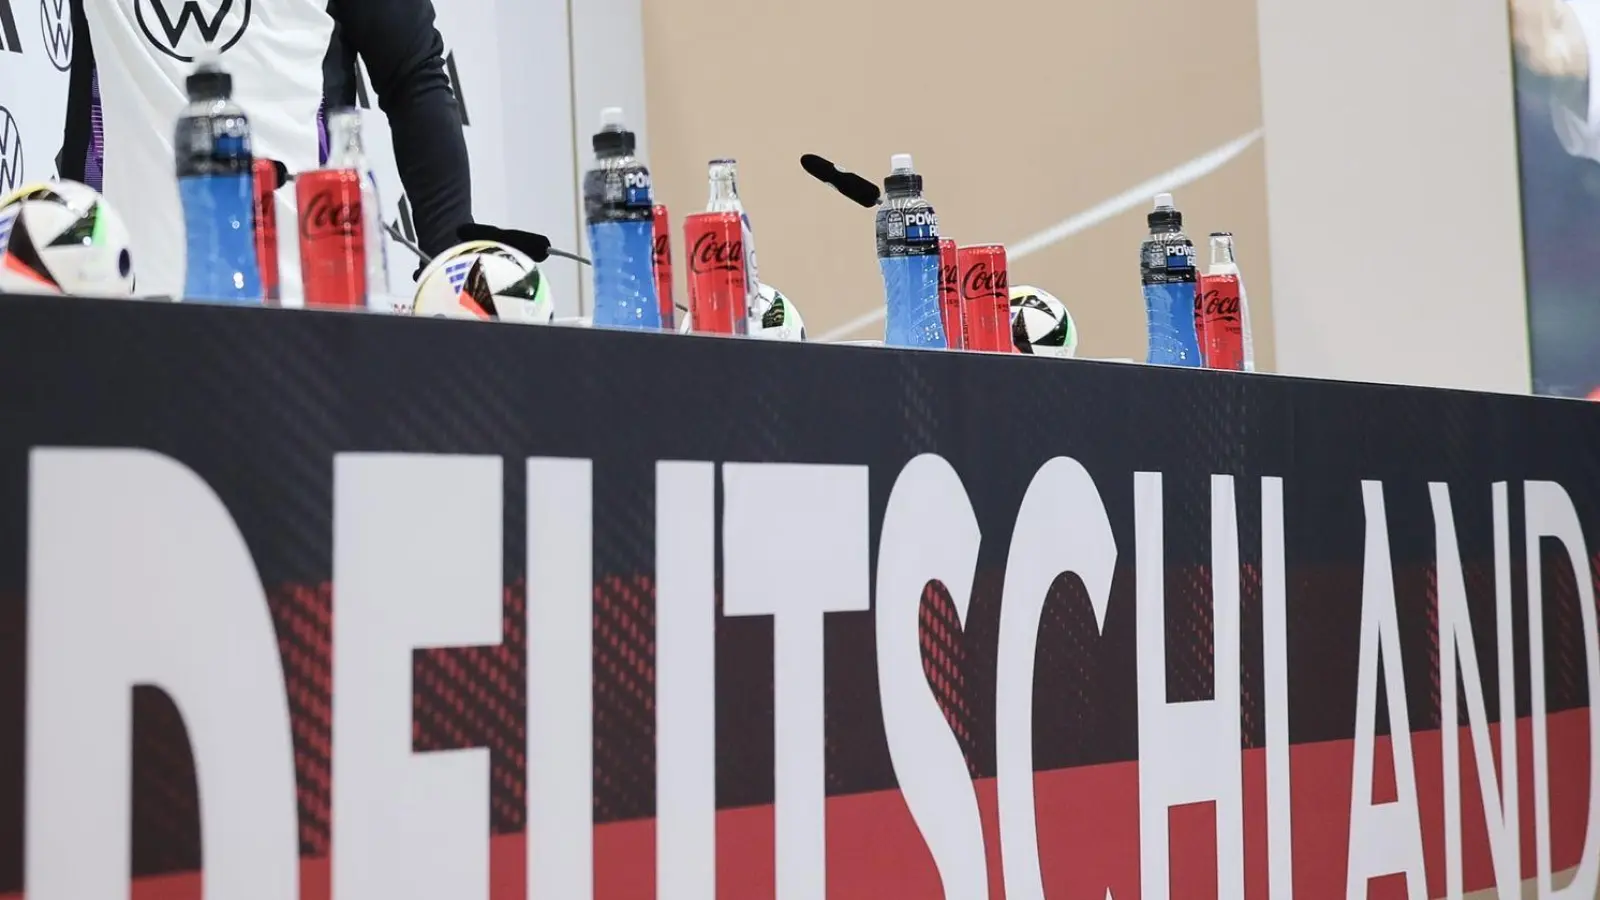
point(61, 237)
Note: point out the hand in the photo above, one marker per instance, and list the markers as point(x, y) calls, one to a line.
point(1548, 39)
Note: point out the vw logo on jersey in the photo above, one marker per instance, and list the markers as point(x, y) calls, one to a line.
point(183, 28)
point(55, 24)
point(10, 152)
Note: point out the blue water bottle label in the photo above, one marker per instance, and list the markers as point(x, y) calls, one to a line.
point(624, 274)
point(219, 225)
point(911, 288)
point(1170, 308)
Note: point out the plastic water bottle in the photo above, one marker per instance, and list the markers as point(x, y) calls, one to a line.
point(1166, 268)
point(619, 209)
point(908, 255)
point(216, 185)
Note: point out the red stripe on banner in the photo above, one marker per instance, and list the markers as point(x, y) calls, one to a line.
point(1088, 827)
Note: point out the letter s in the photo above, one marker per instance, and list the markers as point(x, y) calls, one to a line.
point(929, 533)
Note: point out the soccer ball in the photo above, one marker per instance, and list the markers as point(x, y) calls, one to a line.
point(776, 318)
point(484, 280)
point(63, 238)
point(1041, 324)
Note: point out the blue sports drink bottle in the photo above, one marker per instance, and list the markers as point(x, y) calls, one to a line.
point(619, 208)
point(1167, 272)
point(908, 255)
point(216, 187)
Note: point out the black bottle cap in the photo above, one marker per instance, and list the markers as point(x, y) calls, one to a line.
point(902, 185)
point(1165, 219)
point(209, 84)
point(609, 144)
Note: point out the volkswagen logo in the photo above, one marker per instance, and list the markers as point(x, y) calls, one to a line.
point(55, 24)
point(10, 152)
point(182, 28)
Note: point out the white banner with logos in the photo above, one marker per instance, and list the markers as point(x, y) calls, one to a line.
point(534, 188)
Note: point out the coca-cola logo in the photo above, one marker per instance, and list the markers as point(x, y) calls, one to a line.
point(662, 251)
point(949, 278)
point(1217, 305)
point(983, 281)
point(327, 215)
point(713, 255)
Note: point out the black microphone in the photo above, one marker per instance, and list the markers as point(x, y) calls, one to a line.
point(849, 184)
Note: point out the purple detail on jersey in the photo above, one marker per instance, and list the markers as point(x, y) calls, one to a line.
point(322, 134)
point(94, 163)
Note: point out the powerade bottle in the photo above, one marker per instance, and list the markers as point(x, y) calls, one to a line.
point(1166, 269)
point(908, 255)
point(619, 208)
point(216, 185)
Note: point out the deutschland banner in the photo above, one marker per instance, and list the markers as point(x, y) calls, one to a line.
point(310, 605)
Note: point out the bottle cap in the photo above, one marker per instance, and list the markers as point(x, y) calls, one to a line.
point(1164, 217)
point(900, 162)
point(613, 140)
point(208, 84)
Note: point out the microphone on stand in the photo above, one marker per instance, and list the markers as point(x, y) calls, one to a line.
point(858, 189)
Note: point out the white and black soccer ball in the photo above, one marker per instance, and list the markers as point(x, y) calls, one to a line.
point(1041, 325)
point(776, 318)
point(484, 280)
point(62, 237)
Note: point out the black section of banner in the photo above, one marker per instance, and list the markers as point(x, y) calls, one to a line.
point(257, 402)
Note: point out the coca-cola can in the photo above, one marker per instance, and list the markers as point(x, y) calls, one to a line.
point(955, 324)
point(663, 266)
point(1218, 323)
point(986, 297)
point(716, 272)
point(333, 258)
point(265, 173)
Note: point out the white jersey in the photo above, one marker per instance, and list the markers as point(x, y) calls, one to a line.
point(144, 50)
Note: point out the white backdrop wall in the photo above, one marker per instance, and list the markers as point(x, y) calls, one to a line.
point(1392, 193)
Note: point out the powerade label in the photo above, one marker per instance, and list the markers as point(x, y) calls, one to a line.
point(908, 231)
point(636, 187)
point(618, 195)
point(1166, 258)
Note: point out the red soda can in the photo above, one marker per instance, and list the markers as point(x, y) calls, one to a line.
point(1218, 323)
point(955, 324)
point(717, 282)
point(986, 297)
point(333, 257)
point(267, 181)
point(663, 266)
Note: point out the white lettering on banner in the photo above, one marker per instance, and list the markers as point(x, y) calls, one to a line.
point(138, 576)
point(416, 565)
point(1385, 838)
point(794, 547)
point(1061, 527)
point(560, 672)
point(686, 687)
point(1275, 678)
point(1456, 647)
point(930, 533)
point(1550, 514)
point(1188, 752)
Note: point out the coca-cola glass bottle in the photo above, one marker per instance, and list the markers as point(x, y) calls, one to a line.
point(346, 151)
point(724, 178)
